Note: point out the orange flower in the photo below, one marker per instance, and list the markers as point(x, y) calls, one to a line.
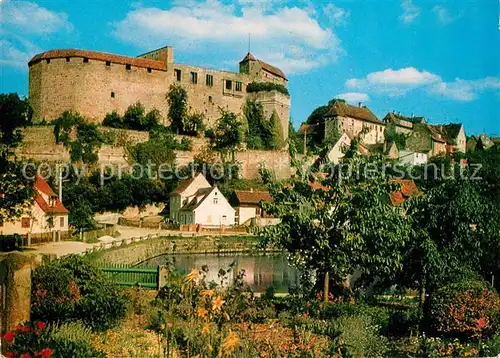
point(193, 275)
point(230, 343)
point(207, 293)
point(206, 328)
point(217, 303)
point(201, 312)
point(481, 322)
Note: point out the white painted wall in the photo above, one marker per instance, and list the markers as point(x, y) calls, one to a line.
point(412, 158)
point(214, 211)
point(38, 223)
point(246, 214)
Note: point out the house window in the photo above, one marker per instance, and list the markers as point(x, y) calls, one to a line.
point(112, 94)
point(61, 222)
point(238, 86)
point(194, 77)
point(47, 60)
point(229, 84)
point(67, 59)
point(216, 200)
point(108, 63)
point(209, 80)
point(209, 218)
point(85, 60)
point(210, 99)
point(25, 223)
point(1, 222)
point(128, 66)
point(150, 70)
point(178, 74)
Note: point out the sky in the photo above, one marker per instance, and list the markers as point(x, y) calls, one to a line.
point(431, 58)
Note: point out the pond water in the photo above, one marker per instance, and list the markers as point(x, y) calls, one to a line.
point(261, 270)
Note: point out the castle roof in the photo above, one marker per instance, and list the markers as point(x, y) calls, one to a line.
point(340, 108)
point(251, 197)
point(400, 120)
point(265, 66)
point(99, 56)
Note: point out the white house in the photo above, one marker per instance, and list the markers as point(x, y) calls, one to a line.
point(412, 158)
point(195, 201)
point(46, 215)
point(185, 193)
point(248, 206)
point(337, 152)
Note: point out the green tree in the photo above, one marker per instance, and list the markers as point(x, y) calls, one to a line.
point(113, 120)
point(153, 151)
point(134, 116)
point(228, 133)
point(340, 223)
point(193, 124)
point(254, 116)
point(316, 138)
point(15, 113)
point(276, 137)
point(15, 188)
point(177, 107)
point(392, 136)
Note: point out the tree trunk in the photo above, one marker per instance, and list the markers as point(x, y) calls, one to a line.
point(326, 287)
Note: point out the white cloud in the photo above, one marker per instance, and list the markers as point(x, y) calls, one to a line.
point(410, 11)
point(465, 90)
point(443, 15)
point(16, 51)
point(393, 82)
point(399, 82)
point(337, 15)
point(32, 18)
point(354, 97)
point(288, 37)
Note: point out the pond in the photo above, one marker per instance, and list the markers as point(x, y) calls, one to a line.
point(261, 270)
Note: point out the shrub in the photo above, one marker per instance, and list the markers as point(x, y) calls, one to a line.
point(267, 87)
point(379, 316)
point(360, 336)
point(10, 242)
point(113, 120)
point(72, 289)
point(34, 339)
point(464, 310)
point(186, 144)
point(402, 322)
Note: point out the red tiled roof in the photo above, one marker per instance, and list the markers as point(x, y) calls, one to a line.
point(99, 56)
point(43, 186)
point(408, 189)
point(252, 197)
point(265, 66)
point(57, 208)
point(340, 108)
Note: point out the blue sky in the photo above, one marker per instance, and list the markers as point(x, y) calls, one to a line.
point(439, 59)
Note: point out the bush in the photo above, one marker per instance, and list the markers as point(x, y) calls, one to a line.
point(267, 87)
point(403, 322)
point(10, 242)
point(186, 144)
point(380, 316)
point(72, 289)
point(464, 310)
point(34, 339)
point(113, 120)
point(360, 336)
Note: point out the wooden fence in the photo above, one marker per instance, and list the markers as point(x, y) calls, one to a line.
point(125, 275)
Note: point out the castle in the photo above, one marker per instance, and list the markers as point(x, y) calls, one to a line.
point(96, 83)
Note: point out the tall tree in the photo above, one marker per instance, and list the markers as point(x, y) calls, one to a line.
point(276, 138)
point(15, 113)
point(228, 133)
point(340, 223)
point(254, 116)
point(177, 107)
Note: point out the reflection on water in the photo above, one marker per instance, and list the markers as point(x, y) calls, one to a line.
point(261, 271)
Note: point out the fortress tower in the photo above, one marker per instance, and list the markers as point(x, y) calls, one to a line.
point(96, 83)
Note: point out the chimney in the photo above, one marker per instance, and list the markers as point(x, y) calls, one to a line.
point(359, 104)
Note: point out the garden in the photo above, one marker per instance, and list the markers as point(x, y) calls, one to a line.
point(77, 312)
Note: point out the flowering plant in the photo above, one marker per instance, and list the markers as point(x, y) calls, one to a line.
point(28, 340)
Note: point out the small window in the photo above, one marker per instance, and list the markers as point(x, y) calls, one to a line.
point(229, 84)
point(61, 222)
point(210, 99)
point(150, 70)
point(67, 59)
point(128, 66)
point(216, 200)
point(238, 86)
point(112, 94)
point(85, 60)
point(194, 77)
point(108, 63)
point(178, 74)
point(209, 80)
point(25, 223)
